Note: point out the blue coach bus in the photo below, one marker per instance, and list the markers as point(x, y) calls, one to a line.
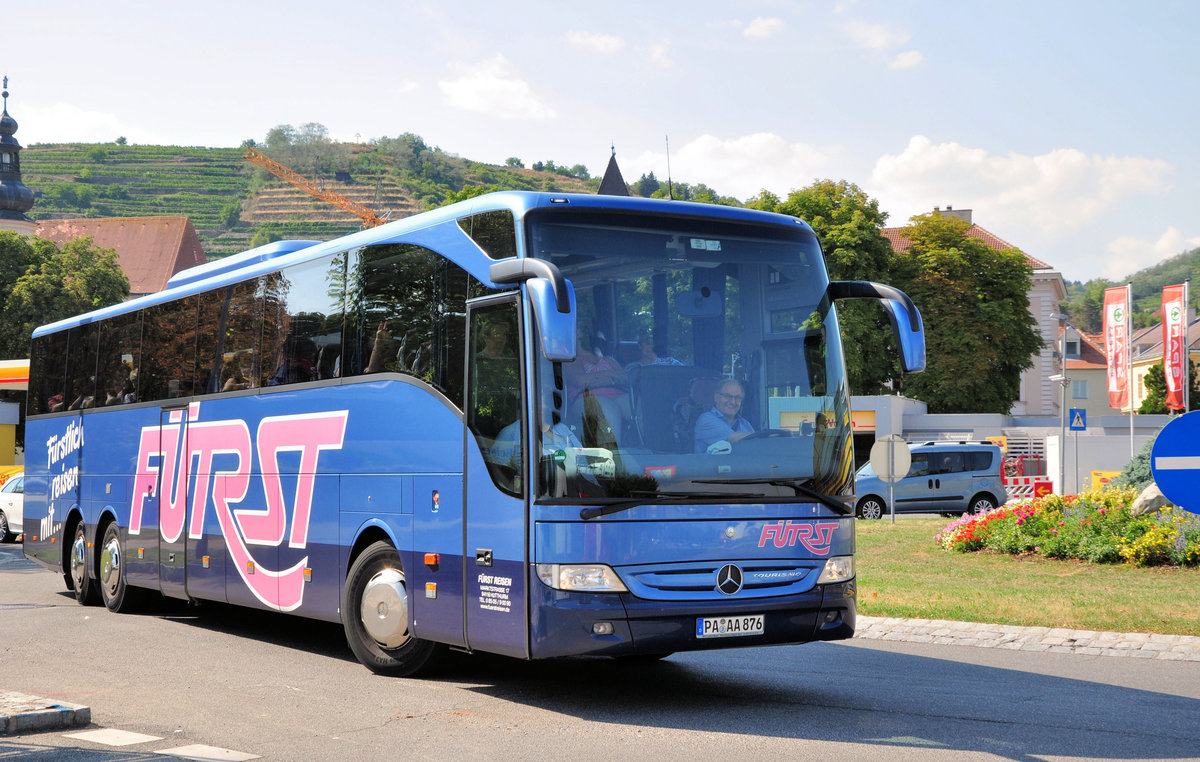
point(473, 428)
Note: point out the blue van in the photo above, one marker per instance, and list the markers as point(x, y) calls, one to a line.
point(945, 477)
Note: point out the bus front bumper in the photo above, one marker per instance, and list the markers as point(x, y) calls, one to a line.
point(566, 624)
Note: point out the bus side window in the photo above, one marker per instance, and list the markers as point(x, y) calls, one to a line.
point(227, 344)
point(120, 348)
point(494, 400)
point(81, 367)
point(302, 322)
point(48, 374)
point(169, 359)
point(405, 315)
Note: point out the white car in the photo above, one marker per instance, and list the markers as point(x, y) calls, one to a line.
point(12, 501)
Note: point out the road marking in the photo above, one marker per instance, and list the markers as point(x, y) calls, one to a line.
point(208, 753)
point(112, 737)
point(1178, 463)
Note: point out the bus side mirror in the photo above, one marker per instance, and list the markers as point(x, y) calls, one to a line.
point(557, 329)
point(902, 313)
point(553, 300)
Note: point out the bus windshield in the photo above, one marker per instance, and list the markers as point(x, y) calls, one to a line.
point(708, 363)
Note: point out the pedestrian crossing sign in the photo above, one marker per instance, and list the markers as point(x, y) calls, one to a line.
point(1078, 419)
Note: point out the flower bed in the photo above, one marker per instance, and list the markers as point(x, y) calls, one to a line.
point(1093, 526)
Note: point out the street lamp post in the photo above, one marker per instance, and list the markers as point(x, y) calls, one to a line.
point(1062, 380)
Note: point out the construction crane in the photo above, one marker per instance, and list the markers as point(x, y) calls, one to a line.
point(369, 218)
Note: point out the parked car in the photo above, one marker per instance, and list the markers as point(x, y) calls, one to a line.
point(12, 502)
point(945, 477)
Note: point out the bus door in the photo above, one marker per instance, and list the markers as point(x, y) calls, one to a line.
point(495, 544)
point(170, 497)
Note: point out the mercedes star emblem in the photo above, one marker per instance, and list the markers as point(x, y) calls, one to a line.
point(729, 579)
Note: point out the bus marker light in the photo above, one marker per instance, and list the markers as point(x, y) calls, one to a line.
point(602, 628)
point(204, 562)
point(307, 574)
point(249, 567)
point(430, 589)
point(432, 560)
point(141, 553)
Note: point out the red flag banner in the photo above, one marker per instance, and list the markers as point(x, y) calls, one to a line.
point(1175, 359)
point(1116, 341)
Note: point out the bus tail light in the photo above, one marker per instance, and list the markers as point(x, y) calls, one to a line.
point(837, 569)
point(581, 578)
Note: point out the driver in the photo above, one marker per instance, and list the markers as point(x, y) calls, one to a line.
point(722, 423)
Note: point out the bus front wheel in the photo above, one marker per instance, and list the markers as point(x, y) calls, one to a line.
point(376, 618)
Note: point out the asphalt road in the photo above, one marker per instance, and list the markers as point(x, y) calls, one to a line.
point(284, 688)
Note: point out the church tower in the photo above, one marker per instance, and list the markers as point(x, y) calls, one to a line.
point(15, 198)
point(613, 184)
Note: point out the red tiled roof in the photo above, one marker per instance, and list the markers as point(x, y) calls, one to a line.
point(901, 243)
point(149, 249)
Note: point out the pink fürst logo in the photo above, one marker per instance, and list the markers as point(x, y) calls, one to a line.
point(816, 536)
point(178, 451)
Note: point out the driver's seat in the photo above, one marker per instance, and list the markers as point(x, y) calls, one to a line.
point(701, 393)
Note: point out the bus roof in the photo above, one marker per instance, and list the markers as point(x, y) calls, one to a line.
point(280, 254)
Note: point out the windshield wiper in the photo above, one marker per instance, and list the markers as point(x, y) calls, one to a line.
point(799, 485)
point(650, 497)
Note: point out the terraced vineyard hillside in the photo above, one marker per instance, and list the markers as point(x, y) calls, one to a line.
point(231, 202)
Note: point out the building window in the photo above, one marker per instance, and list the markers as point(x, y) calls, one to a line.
point(1072, 348)
point(1079, 390)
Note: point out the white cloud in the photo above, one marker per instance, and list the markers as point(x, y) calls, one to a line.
point(742, 166)
point(65, 123)
point(907, 60)
point(1055, 192)
point(659, 54)
point(594, 42)
point(492, 86)
point(1127, 255)
point(1044, 204)
point(875, 36)
point(762, 27)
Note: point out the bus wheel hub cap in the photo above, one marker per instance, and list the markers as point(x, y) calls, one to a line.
point(384, 609)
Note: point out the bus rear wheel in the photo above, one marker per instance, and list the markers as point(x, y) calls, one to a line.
point(376, 619)
point(117, 595)
point(81, 581)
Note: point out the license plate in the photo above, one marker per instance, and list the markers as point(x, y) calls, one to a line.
point(729, 626)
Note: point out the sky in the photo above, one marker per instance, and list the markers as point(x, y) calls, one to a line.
point(1069, 128)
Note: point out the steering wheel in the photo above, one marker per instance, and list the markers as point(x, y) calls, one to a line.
point(767, 434)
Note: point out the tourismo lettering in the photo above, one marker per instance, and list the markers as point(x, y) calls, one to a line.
point(179, 451)
point(815, 536)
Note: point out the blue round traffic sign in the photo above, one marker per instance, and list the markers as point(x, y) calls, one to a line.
point(1175, 461)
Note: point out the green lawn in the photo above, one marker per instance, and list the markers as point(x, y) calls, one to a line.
point(903, 573)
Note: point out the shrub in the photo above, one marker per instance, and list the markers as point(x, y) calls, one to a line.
point(1093, 526)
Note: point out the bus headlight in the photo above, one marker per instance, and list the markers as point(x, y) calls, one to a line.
point(581, 578)
point(837, 569)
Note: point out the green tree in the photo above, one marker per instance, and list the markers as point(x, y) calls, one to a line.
point(979, 333)
point(61, 283)
point(647, 185)
point(262, 238)
point(849, 224)
point(1085, 305)
point(1156, 391)
point(513, 161)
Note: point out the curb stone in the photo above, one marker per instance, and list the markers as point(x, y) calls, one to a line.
point(20, 712)
point(1138, 645)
